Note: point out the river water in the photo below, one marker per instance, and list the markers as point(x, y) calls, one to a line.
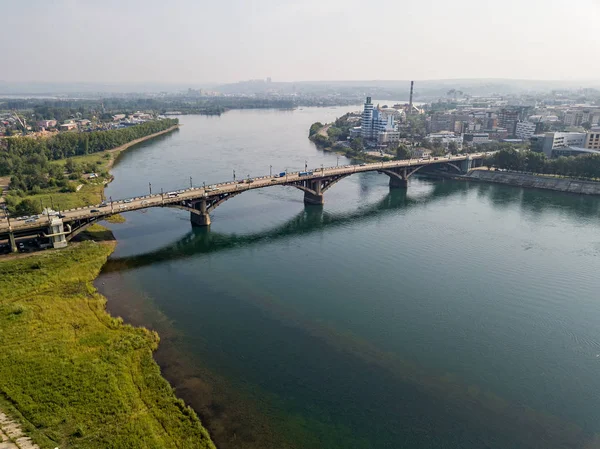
point(450, 315)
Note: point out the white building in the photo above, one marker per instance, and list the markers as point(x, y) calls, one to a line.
point(375, 121)
point(445, 137)
point(525, 130)
point(366, 123)
point(555, 141)
point(387, 137)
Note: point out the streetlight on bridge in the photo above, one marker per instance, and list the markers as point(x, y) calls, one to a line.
point(150, 188)
point(190, 182)
point(233, 175)
point(270, 170)
point(305, 165)
point(337, 162)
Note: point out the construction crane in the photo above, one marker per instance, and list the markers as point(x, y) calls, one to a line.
point(21, 122)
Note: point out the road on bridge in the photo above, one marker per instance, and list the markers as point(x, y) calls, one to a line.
point(194, 193)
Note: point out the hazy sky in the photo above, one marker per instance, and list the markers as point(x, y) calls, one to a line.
point(197, 41)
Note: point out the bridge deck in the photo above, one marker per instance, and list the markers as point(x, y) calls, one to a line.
point(194, 193)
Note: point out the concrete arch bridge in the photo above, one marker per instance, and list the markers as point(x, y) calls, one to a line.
point(200, 201)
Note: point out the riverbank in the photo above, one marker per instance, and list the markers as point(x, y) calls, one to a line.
point(116, 151)
point(82, 378)
point(537, 182)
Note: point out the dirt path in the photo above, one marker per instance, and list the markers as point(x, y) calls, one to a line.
point(323, 131)
point(11, 435)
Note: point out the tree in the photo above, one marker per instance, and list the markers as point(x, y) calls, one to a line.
point(402, 152)
point(70, 166)
point(586, 125)
point(27, 207)
point(453, 147)
point(357, 144)
point(314, 128)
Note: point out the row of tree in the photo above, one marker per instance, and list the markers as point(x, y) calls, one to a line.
point(28, 160)
point(584, 167)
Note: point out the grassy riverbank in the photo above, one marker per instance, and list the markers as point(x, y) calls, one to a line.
point(72, 374)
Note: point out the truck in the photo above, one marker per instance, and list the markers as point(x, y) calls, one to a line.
point(305, 173)
point(282, 174)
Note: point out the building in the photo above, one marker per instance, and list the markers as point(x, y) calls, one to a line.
point(440, 122)
point(420, 153)
point(366, 122)
point(556, 141)
point(525, 130)
point(592, 140)
point(355, 132)
point(476, 138)
point(68, 126)
point(46, 124)
point(579, 116)
point(387, 137)
point(508, 118)
point(445, 137)
point(375, 121)
point(496, 133)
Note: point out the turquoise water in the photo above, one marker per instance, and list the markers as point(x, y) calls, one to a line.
point(449, 315)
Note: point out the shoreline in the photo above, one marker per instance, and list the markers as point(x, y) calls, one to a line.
point(118, 150)
point(115, 153)
point(532, 181)
point(160, 417)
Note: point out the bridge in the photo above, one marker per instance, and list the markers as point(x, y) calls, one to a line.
point(200, 201)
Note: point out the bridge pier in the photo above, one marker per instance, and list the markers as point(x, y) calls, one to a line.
point(13, 243)
point(56, 233)
point(202, 218)
point(466, 165)
point(313, 199)
point(398, 183)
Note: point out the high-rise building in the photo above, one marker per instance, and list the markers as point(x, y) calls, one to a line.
point(508, 118)
point(375, 121)
point(366, 123)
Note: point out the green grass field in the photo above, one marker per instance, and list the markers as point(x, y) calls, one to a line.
point(73, 375)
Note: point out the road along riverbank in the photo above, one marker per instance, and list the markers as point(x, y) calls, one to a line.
point(535, 181)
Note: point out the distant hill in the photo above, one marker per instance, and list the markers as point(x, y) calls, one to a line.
point(424, 89)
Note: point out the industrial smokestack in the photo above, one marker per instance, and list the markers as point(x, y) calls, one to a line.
point(410, 106)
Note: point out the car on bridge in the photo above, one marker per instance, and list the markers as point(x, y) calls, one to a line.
point(95, 211)
point(128, 200)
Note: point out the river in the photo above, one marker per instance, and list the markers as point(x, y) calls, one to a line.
point(449, 315)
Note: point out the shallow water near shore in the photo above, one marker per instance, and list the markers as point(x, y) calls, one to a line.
point(453, 314)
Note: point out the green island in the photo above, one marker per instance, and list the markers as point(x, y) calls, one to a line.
point(70, 374)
